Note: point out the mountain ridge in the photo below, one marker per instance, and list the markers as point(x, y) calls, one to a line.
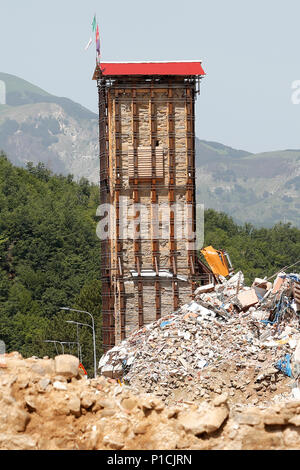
point(37, 126)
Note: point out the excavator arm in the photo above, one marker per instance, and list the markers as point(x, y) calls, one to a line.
point(218, 260)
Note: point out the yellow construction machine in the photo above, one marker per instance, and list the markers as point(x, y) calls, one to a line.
point(218, 261)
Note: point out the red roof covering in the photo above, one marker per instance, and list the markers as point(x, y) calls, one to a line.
point(151, 68)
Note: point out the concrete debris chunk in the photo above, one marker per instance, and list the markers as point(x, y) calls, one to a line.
point(67, 365)
point(246, 299)
point(60, 385)
point(203, 289)
point(205, 421)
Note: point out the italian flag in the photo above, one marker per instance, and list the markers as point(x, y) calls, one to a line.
point(94, 24)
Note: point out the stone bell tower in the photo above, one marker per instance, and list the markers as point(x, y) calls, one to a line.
point(147, 177)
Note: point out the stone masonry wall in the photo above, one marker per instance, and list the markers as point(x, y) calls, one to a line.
point(121, 110)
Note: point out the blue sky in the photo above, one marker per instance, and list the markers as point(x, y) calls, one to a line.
point(249, 49)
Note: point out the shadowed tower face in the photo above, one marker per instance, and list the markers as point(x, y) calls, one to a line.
point(147, 184)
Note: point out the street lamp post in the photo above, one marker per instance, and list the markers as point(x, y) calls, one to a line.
point(77, 324)
point(56, 341)
point(85, 324)
point(62, 345)
point(78, 345)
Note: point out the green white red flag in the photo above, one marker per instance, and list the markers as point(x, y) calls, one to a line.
point(98, 42)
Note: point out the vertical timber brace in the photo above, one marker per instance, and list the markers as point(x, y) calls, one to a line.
point(136, 214)
point(172, 243)
point(193, 150)
point(154, 206)
point(190, 189)
point(120, 308)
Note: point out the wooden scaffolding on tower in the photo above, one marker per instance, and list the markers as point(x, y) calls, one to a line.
point(147, 158)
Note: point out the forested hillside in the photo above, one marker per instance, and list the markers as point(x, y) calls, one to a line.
point(257, 252)
point(50, 257)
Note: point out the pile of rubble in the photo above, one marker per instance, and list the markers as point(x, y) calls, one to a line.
point(231, 338)
point(48, 404)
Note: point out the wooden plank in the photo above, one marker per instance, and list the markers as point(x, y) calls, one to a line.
point(175, 294)
point(157, 299)
point(144, 167)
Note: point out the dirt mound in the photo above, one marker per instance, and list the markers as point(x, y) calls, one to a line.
point(41, 408)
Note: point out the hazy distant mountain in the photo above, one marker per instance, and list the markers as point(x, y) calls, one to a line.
point(36, 126)
point(263, 188)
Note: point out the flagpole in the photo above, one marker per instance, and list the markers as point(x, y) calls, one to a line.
point(98, 55)
point(95, 16)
